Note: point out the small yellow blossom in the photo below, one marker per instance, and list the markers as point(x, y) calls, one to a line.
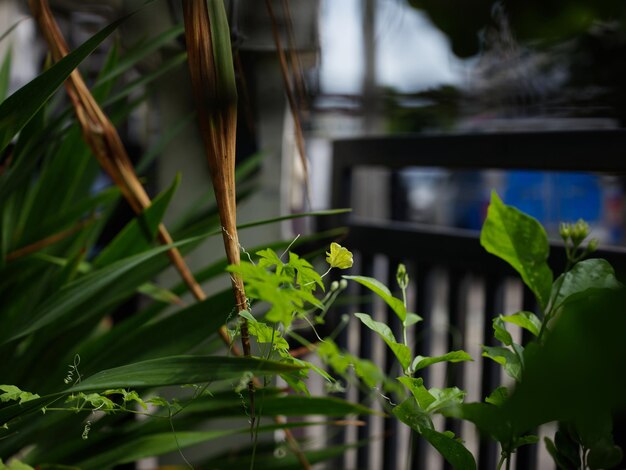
point(339, 257)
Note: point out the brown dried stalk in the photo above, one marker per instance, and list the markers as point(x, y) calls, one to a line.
point(214, 87)
point(45, 242)
point(105, 143)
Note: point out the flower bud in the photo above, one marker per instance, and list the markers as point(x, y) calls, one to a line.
point(343, 284)
point(334, 286)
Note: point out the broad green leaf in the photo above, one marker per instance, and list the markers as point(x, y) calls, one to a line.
point(383, 292)
point(506, 358)
point(21, 106)
point(424, 361)
point(488, 418)
point(452, 450)
point(455, 453)
point(422, 395)
point(411, 414)
point(528, 439)
point(411, 319)
point(341, 362)
point(500, 332)
point(498, 396)
point(526, 320)
point(139, 234)
point(521, 241)
point(588, 274)
point(264, 333)
point(445, 398)
point(13, 393)
point(401, 351)
point(177, 370)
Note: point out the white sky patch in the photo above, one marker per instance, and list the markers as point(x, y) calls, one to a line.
point(411, 53)
point(342, 46)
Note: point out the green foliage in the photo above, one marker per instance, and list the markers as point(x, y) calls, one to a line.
point(61, 285)
point(13, 393)
point(383, 292)
point(401, 351)
point(522, 242)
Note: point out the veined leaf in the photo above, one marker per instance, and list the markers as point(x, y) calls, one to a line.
point(521, 241)
point(424, 361)
point(401, 351)
point(452, 450)
point(383, 292)
point(500, 332)
point(506, 358)
point(526, 320)
point(587, 274)
point(422, 395)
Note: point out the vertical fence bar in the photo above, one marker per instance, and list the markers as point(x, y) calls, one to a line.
point(488, 451)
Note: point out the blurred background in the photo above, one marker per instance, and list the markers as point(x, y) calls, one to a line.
point(383, 69)
point(388, 67)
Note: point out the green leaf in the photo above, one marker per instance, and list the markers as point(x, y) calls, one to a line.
point(177, 370)
point(15, 465)
point(61, 304)
point(588, 274)
point(139, 233)
point(526, 320)
point(500, 332)
point(13, 393)
point(265, 333)
point(411, 319)
point(455, 453)
point(445, 398)
point(416, 386)
point(424, 361)
point(521, 241)
point(383, 292)
point(506, 358)
point(529, 439)
point(401, 351)
point(451, 449)
point(21, 106)
point(414, 416)
point(498, 396)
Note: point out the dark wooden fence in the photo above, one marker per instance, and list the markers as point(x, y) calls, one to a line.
point(454, 281)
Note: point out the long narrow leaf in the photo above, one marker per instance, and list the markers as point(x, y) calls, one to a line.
point(21, 106)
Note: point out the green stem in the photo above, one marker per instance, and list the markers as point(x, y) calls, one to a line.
point(502, 459)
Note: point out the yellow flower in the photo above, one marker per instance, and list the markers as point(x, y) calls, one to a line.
point(339, 257)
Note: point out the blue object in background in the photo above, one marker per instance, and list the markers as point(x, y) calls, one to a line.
point(553, 197)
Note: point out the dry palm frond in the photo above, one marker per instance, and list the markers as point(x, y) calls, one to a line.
point(103, 139)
